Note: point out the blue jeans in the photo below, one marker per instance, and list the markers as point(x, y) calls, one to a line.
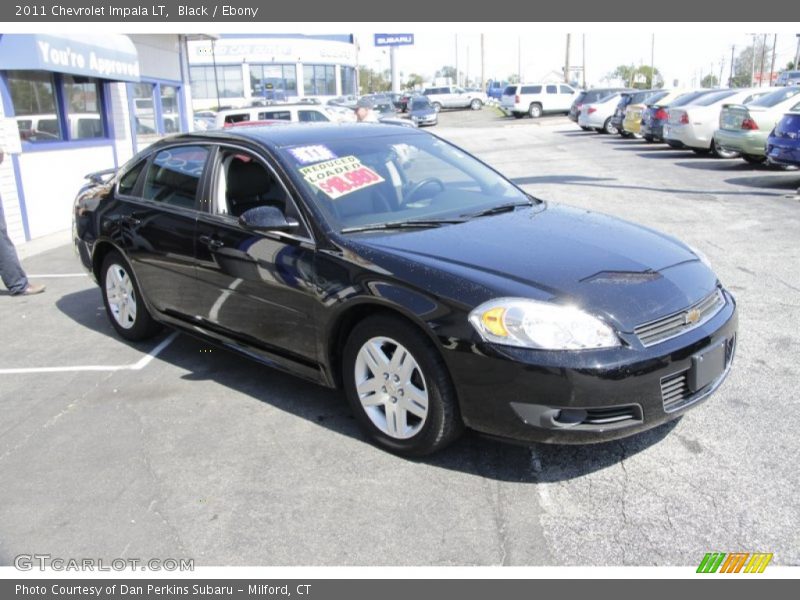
point(11, 271)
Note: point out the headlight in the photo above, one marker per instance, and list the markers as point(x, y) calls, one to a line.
point(541, 325)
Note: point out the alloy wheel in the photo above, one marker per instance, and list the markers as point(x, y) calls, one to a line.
point(121, 296)
point(391, 388)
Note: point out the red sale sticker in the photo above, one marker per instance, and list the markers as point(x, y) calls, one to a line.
point(340, 176)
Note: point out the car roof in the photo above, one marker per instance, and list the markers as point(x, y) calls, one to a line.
point(298, 133)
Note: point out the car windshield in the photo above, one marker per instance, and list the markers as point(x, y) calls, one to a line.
point(395, 178)
point(420, 103)
point(776, 97)
point(710, 99)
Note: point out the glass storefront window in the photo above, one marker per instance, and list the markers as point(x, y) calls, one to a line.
point(273, 82)
point(228, 81)
point(33, 94)
point(170, 112)
point(144, 112)
point(348, 80)
point(319, 80)
point(83, 104)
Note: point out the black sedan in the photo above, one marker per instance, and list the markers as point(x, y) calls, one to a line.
point(436, 293)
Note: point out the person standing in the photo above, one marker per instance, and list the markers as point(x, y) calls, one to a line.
point(13, 275)
point(364, 112)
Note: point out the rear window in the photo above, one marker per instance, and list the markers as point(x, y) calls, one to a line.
point(685, 99)
point(710, 99)
point(581, 97)
point(776, 97)
point(532, 89)
point(653, 98)
point(510, 90)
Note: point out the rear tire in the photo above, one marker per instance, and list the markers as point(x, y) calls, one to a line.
point(518, 115)
point(649, 139)
point(123, 300)
point(609, 127)
point(535, 110)
point(476, 104)
point(720, 152)
point(405, 402)
point(585, 128)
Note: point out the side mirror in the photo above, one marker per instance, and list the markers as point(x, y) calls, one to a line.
point(266, 218)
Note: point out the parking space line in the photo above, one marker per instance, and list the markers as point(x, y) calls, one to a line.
point(53, 275)
point(137, 366)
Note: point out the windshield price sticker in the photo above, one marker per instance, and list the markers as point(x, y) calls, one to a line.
point(340, 176)
point(312, 154)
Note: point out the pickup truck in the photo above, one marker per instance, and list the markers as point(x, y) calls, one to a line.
point(451, 96)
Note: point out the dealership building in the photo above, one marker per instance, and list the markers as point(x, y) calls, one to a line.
point(237, 70)
point(75, 104)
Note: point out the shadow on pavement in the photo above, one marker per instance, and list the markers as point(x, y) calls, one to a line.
point(472, 454)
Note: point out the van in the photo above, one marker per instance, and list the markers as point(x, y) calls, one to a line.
point(294, 113)
point(535, 99)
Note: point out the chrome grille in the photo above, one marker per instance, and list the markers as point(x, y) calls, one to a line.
point(675, 324)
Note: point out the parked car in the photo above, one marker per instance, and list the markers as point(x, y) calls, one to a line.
point(46, 127)
point(303, 112)
point(788, 78)
point(626, 98)
point(405, 99)
point(422, 112)
point(632, 120)
point(783, 144)
point(589, 97)
point(435, 292)
point(598, 115)
point(744, 128)
point(346, 101)
point(451, 96)
point(655, 115)
point(692, 126)
point(536, 99)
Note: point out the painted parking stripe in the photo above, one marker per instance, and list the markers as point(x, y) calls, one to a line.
point(137, 366)
point(56, 275)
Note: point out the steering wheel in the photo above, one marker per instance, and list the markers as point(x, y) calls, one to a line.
point(409, 195)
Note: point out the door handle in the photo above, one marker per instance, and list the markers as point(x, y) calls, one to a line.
point(212, 243)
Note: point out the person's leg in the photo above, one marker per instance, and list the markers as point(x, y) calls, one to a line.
point(13, 275)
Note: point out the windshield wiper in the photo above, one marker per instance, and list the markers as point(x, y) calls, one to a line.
point(494, 210)
point(414, 224)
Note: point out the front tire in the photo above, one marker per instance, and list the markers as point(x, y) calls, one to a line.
point(476, 104)
point(123, 300)
point(436, 106)
point(399, 388)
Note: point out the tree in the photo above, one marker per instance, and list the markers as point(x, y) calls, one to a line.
point(513, 78)
point(414, 80)
point(743, 65)
point(640, 77)
point(709, 81)
point(447, 72)
point(373, 81)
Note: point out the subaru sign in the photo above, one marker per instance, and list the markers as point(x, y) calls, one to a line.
point(394, 39)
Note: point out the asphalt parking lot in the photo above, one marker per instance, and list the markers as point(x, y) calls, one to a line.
point(173, 448)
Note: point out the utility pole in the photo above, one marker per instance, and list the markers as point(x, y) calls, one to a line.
point(456, 59)
point(566, 62)
point(763, 57)
point(583, 58)
point(466, 70)
point(519, 58)
point(483, 67)
point(772, 67)
point(753, 64)
point(730, 80)
point(797, 54)
point(652, 60)
point(721, 66)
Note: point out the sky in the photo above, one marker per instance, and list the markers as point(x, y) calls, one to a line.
point(678, 54)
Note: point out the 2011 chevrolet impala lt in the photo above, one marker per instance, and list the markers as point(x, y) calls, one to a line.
point(393, 264)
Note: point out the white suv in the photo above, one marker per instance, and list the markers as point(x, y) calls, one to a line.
point(535, 99)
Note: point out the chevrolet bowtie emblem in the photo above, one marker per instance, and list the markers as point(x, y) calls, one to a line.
point(692, 316)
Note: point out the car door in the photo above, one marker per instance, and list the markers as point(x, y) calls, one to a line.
point(551, 101)
point(565, 97)
point(157, 223)
point(255, 286)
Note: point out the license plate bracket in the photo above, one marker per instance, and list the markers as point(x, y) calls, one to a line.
point(707, 366)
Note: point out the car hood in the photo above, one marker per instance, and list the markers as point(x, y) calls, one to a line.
point(624, 272)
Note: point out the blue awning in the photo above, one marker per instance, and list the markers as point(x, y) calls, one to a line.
point(111, 56)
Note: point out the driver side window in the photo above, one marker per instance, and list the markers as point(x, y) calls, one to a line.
point(243, 182)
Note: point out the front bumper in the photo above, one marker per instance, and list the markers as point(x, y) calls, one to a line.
point(743, 142)
point(588, 396)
